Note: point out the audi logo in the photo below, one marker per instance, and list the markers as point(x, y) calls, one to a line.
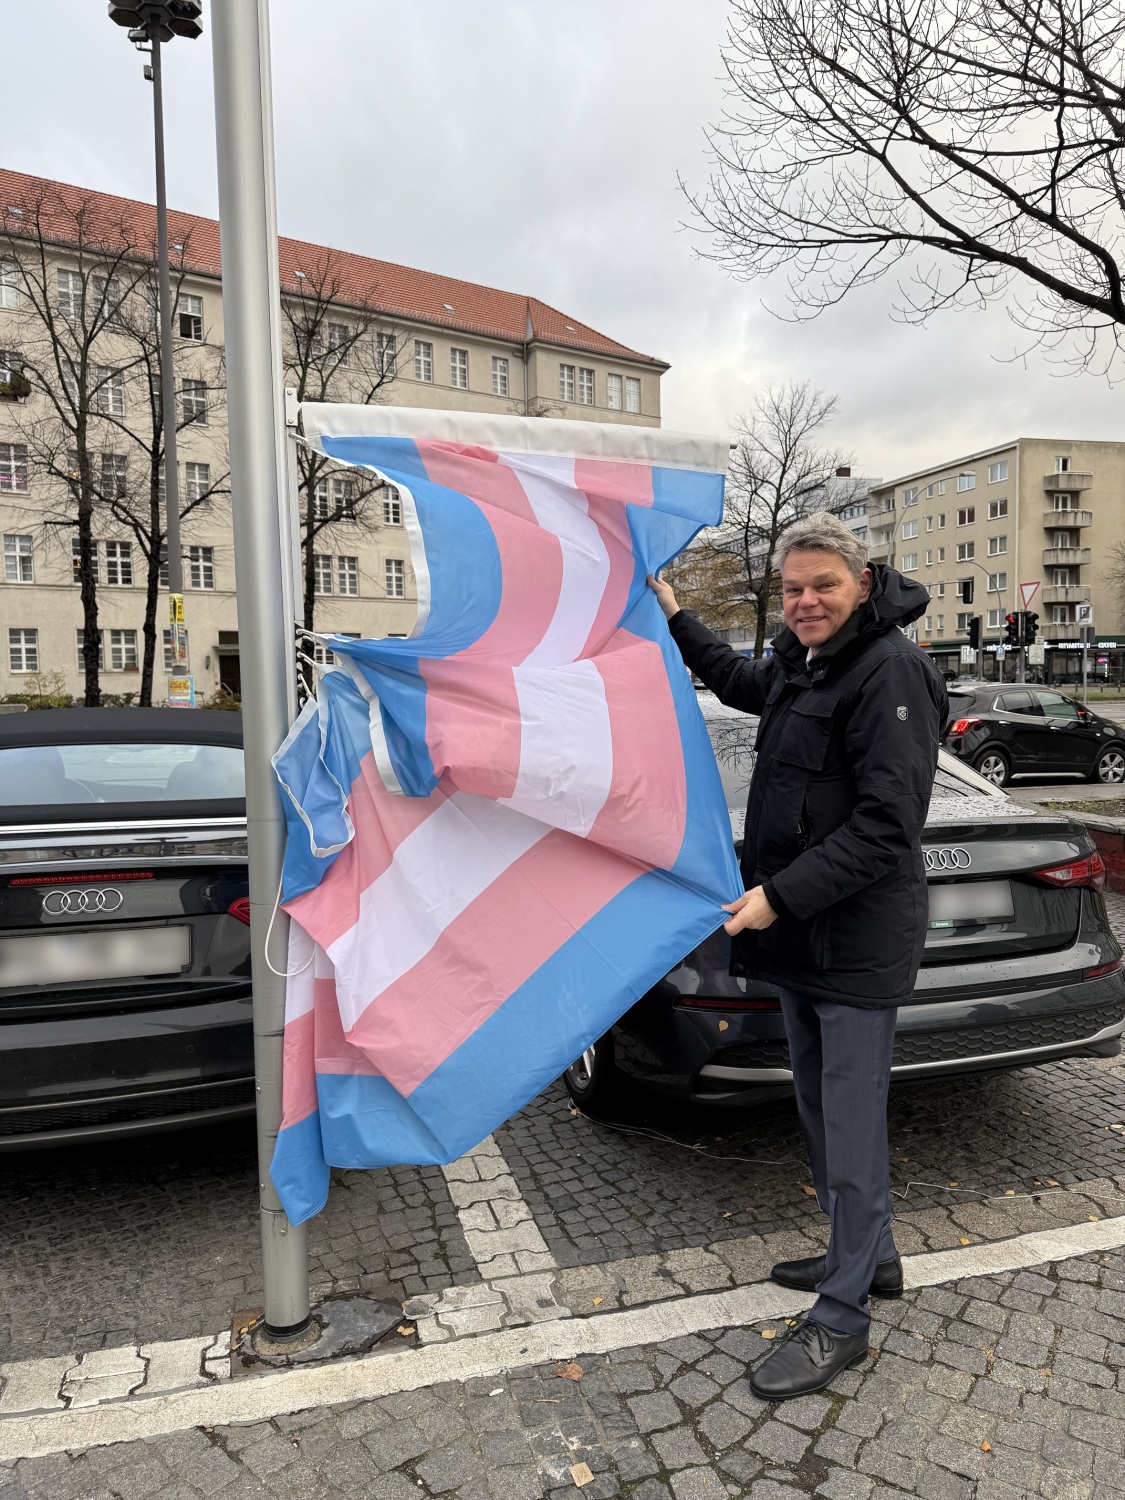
point(71, 903)
point(947, 859)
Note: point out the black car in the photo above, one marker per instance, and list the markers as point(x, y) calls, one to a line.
point(1020, 964)
point(1004, 730)
point(124, 923)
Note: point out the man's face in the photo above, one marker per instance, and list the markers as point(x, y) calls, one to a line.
point(819, 593)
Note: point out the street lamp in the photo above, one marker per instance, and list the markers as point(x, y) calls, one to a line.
point(149, 25)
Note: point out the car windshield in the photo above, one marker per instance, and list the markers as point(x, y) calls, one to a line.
point(125, 773)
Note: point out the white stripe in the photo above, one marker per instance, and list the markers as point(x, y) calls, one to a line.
point(380, 749)
point(437, 871)
point(566, 751)
point(302, 967)
point(560, 508)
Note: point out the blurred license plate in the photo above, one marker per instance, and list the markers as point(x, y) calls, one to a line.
point(69, 957)
point(974, 902)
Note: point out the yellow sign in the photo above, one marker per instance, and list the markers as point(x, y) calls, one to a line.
point(176, 608)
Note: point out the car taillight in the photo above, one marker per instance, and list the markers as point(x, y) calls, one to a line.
point(713, 1002)
point(240, 909)
point(1103, 969)
point(1088, 872)
point(960, 726)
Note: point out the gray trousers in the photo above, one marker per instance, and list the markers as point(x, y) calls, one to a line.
point(841, 1059)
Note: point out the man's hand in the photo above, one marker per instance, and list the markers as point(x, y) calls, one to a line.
point(664, 594)
point(751, 910)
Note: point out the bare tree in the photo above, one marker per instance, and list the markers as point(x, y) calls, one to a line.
point(1114, 575)
point(778, 474)
point(74, 274)
point(972, 145)
point(336, 348)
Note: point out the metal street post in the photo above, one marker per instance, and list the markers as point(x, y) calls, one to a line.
point(247, 222)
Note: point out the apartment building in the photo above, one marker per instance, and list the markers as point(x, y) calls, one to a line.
point(403, 336)
point(1033, 511)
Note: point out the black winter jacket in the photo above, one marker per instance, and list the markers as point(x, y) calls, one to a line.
point(846, 755)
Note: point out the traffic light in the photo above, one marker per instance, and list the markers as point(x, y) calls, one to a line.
point(1030, 627)
point(974, 632)
point(1012, 630)
point(966, 588)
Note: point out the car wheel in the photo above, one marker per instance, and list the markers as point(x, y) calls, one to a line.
point(592, 1080)
point(993, 766)
point(1109, 768)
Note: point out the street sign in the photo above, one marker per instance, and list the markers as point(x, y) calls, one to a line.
point(1027, 593)
point(181, 692)
point(968, 656)
point(1037, 655)
point(1084, 615)
point(1001, 649)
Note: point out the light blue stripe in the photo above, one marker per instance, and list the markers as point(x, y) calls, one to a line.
point(298, 1169)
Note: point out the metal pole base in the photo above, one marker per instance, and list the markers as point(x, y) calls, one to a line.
point(271, 1343)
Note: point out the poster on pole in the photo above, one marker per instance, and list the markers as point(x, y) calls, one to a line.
point(1027, 592)
point(181, 692)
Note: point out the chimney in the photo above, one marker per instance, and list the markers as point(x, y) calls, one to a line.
point(844, 471)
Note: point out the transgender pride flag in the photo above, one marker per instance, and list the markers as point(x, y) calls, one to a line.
point(506, 828)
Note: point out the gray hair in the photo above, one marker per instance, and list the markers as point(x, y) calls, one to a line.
point(823, 532)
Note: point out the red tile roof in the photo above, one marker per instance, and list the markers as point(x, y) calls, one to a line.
point(398, 292)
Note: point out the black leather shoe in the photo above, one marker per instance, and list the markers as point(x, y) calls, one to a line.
point(806, 1275)
point(810, 1358)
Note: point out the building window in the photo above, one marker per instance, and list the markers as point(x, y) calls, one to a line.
point(966, 482)
point(19, 564)
point(23, 650)
point(585, 387)
point(197, 483)
point(910, 562)
point(71, 297)
point(194, 399)
point(322, 573)
point(1060, 578)
point(80, 639)
point(997, 509)
point(1060, 614)
point(998, 471)
point(930, 491)
point(929, 523)
point(909, 530)
point(941, 558)
point(392, 506)
point(347, 574)
point(320, 500)
point(614, 392)
point(338, 342)
point(386, 354)
point(1062, 463)
point(499, 376)
point(929, 623)
point(940, 624)
point(566, 382)
point(10, 365)
point(966, 551)
point(940, 590)
point(997, 545)
point(1066, 502)
point(459, 369)
point(190, 310)
point(941, 484)
point(201, 567)
point(941, 521)
point(122, 650)
point(929, 557)
point(1063, 539)
point(109, 391)
point(910, 496)
point(119, 564)
point(966, 515)
point(114, 476)
point(994, 619)
point(9, 284)
point(963, 621)
point(997, 583)
point(632, 394)
point(423, 361)
point(395, 575)
point(343, 498)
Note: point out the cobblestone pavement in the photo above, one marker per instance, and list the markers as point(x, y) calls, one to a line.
point(996, 1388)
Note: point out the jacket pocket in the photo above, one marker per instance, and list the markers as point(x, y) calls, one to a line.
point(805, 738)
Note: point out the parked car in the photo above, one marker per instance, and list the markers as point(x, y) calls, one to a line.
point(1020, 964)
point(124, 924)
point(1007, 730)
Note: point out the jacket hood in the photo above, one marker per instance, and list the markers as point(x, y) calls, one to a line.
point(895, 600)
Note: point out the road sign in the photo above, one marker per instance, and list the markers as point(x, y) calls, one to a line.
point(1037, 655)
point(968, 656)
point(1027, 592)
point(1001, 649)
point(1084, 615)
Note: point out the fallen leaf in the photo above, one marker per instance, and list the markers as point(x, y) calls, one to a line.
point(598, 1301)
point(1117, 1127)
point(405, 1328)
point(986, 1446)
point(954, 1184)
point(499, 1391)
point(809, 1192)
point(769, 1333)
point(1093, 1218)
point(1025, 1111)
point(1009, 1192)
point(571, 1371)
point(964, 1242)
point(874, 1353)
point(581, 1474)
point(1051, 1182)
point(1037, 1183)
point(904, 1158)
point(724, 1025)
point(791, 1322)
point(725, 1216)
point(574, 1111)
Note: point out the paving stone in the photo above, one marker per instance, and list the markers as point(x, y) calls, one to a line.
point(678, 1448)
point(723, 1426)
point(652, 1412)
point(778, 1441)
point(698, 1484)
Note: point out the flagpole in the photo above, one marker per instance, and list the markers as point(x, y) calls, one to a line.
point(251, 299)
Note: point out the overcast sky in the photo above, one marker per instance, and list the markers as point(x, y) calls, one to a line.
point(533, 147)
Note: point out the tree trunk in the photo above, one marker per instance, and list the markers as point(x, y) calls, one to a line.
point(88, 576)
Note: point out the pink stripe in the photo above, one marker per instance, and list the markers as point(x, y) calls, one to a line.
point(626, 484)
point(298, 1071)
point(530, 558)
point(382, 820)
point(473, 725)
point(646, 810)
point(612, 522)
point(486, 953)
point(334, 1053)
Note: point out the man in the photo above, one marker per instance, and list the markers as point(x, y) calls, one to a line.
point(835, 909)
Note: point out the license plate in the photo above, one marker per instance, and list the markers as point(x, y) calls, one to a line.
point(71, 957)
point(974, 903)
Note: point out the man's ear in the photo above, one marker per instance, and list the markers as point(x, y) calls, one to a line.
point(866, 584)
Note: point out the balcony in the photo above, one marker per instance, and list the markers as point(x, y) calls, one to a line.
point(1075, 557)
point(1071, 593)
point(1060, 632)
point(1072, 483)
point(1067, 519)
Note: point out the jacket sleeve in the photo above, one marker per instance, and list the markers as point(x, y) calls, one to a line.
point(732, 677)
point(891, 744)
